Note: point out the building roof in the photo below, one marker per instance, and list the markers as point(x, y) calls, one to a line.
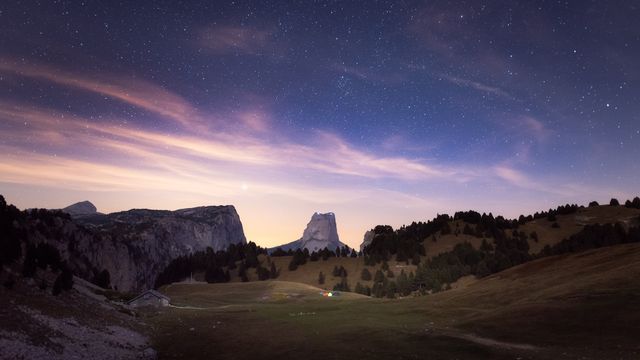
point(150, 292)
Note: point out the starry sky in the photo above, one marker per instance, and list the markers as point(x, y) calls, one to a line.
point(382, 112)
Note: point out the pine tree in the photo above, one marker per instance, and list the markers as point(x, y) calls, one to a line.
point(242, 272)
point(342, 272)
point(391, 289)
point(29, 266)
point(293, 265)
point(485, 246)
point(321, 278)
point(366, 275)
point(336, 271)
point(263, 273)
point(273, 271)
point(534, 236)
point(359, 288)
point(403, 284)
point(379, 277)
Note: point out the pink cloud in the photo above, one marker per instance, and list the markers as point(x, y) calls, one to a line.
point(136, 92)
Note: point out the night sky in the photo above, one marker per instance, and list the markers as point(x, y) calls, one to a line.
point(382, 112)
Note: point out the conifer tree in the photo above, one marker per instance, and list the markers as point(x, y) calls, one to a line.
point(366, 275)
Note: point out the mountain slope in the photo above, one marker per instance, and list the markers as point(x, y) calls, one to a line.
point(587, 302)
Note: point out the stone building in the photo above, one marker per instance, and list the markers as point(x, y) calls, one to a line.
point(149, 298)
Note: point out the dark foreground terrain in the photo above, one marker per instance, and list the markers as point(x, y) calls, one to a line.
point(576, 306)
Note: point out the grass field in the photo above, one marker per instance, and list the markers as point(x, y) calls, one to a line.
point(580, 306)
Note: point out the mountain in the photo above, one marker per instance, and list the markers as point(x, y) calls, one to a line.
point(320, 232)
point(133, 246)
point(82, 208)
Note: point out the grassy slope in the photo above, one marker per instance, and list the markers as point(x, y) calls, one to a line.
point(569, 225)
point(586, 300)
point(547, 235)
point(581, 305)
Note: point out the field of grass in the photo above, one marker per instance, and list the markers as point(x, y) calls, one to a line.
point(579, 306)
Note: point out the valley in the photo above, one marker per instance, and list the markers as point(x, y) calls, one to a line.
point(567, 287)
point(580, 306)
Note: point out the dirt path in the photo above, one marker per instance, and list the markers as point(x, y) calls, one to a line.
point(491, 342)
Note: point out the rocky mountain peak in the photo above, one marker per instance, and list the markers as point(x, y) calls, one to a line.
point(321, 232)
point(322, 227)
point(81, 208)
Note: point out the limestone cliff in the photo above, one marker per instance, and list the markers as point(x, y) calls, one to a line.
point(320, 232)
point(368, 238)
point(136, 245)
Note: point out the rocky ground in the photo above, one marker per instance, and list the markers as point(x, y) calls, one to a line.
point(77, 324)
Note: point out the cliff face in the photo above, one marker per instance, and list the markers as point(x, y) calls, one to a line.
point(136, 245)
point(368, 238)
point(320, 232)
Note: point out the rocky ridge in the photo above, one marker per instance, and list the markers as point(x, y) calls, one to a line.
point(135, 246)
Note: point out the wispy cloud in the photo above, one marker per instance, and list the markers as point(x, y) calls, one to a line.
point(369, 74)
point(328, 154)
point(135, 92)
point(477, 86)
point(225, 39)
point(53, 148)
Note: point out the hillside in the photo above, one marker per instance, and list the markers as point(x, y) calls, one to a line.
point(568, 225)
point(547, 234)
point(586, 303)
point(576, 306)
point(76, 324)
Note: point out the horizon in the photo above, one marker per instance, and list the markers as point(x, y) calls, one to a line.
point(351, 244)
point(382, 114)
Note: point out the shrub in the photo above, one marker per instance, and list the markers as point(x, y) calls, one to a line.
point(366, 275)
point(102, 279)
point(64, 281)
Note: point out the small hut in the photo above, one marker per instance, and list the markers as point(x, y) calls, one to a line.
point(149, 298)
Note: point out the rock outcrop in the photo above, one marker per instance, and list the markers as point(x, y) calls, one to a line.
point(82, 208)
point(320, 232)
point(368, 238)
point(136, 245)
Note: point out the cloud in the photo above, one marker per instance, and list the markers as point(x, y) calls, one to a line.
point(135, 92)
point(533, 127)
point(328, 153)
point(225, 39)
point(477, 86)
point(368, 74)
